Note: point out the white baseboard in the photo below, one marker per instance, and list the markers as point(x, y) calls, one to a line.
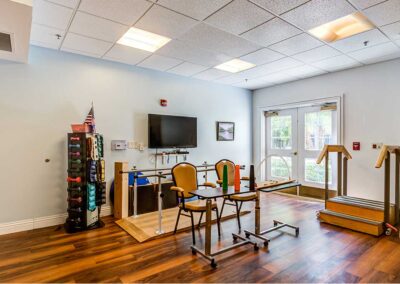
point(42, 222)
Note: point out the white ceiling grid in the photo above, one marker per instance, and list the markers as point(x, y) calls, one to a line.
point(273, 34)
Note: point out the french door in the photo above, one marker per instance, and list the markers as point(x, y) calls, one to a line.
point(295, 137)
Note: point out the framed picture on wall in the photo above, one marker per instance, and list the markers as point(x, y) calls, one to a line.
point(225, 131)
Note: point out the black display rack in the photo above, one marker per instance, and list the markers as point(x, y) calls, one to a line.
point(86, 181)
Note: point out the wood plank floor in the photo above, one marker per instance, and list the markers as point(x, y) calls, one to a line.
point(322, 253)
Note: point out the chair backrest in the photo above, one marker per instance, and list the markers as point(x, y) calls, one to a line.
point(219, 167)
point(185, 177)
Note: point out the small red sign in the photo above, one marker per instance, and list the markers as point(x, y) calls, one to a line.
point(163, 103)
point(356, 146)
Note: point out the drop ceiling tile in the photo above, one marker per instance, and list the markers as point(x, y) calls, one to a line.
point(363, 4)
point(276, 66)
point(385, 13)
point(238, 17)
point(85, 44)
point(197, 9)
point(126, 12)
point(80, 52)
point(279, 6)
point(67, 3)
point(254, 84)
point(187, 69)
point(165, 22)
point(377, 53)
point(189, 52)
point(296, 44)
point(336, 63)
point(262, 56)
point(159, 62)
point(392, 30)
point(96, 27)
point(356, 42)
point(51, 15)
point(45, 36)
point(305, 71)
point(317, 54)
point(230, 80)
point(271, 32)
point(280, 77)
point(126, 54)
point(208, 37)
point(318, 12)
point(211, 74)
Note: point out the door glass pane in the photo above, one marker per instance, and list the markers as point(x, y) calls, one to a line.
point(316, 173)
point(318, 130)
point(279, 169)
point(281, 132)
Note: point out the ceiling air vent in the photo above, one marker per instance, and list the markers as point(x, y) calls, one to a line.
point(5, 42)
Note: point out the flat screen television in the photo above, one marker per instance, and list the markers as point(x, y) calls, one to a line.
point(168, 131)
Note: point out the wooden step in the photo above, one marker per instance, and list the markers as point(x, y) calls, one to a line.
point(350, 222)
point(359, 207)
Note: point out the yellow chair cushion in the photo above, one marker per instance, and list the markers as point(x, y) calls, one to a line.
point(243, 197)
point(198, 205)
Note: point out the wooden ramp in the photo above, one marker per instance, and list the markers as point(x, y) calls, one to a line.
point(143, 227)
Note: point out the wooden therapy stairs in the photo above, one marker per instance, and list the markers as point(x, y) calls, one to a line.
point(358, 214)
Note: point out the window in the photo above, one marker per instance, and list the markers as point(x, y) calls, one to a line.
point(318, 130)
point(316, 173)
point(281, 132)
point(279, 168)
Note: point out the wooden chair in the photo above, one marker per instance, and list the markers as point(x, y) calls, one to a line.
point(238, 199)
point(185, 179)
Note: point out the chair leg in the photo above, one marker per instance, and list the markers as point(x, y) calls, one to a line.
point(218, 221)
point(222, 209)
point(201, 216)
point(193, 236)
point(177, 220)
point(238, 215)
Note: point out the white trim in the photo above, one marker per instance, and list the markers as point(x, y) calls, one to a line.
point(42, 222)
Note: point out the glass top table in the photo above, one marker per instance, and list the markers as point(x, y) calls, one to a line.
point(219, 192)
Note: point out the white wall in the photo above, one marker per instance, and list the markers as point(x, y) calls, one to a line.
point(371, 114)
point(39, 101)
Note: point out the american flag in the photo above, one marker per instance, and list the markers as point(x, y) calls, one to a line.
point(90, 120)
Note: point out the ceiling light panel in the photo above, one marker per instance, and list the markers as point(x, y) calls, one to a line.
point(344, 27)
point(144, 40)
point(235, 65)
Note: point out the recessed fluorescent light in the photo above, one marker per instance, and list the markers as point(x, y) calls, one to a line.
point(343, 27)
point(144, 40)
point(235, 65)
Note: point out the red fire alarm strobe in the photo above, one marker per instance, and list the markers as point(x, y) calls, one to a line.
point(163, 103)
point(356, 146)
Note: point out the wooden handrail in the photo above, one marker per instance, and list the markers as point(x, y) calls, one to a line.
point(333, 148)
point(383, 153)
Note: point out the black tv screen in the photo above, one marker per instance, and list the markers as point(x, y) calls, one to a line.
point(167, 131)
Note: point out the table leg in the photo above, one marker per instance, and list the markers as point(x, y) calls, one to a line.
point(135, 203)
point(208, 227)
point(160, 230)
